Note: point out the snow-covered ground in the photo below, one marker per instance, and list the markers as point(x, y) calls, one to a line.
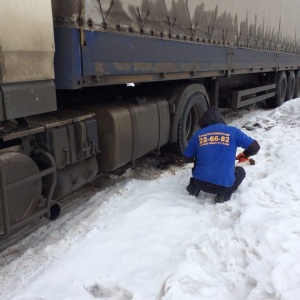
point(146, 238)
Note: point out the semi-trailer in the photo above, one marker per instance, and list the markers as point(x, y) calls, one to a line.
point(87, 86)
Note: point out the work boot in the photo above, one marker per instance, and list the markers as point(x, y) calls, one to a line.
point(222, 198)
point(192, 188)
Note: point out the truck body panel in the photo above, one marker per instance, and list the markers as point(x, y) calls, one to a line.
point(26, 41)
point(109, 58)
point(142, 41)
point(26, 59)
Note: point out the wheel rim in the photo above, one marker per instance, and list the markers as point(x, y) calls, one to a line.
point(282, 91)
point(191, 122)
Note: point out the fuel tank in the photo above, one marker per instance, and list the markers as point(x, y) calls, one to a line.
point(16, 167)
point(130, 130)
point(74, 177)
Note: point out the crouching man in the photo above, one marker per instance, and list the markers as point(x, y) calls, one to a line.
point(213, 150)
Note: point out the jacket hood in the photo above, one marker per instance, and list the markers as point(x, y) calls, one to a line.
point(211, 116)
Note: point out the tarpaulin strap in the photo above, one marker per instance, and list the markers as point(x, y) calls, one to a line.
point(104, 17)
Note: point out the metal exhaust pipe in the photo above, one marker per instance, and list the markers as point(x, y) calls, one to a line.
point(55, 210)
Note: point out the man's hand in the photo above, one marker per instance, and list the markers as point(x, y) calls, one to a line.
point(242, 158)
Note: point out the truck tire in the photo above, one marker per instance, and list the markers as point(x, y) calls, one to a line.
point(297, 85)
point(291, 86)
point(192, 112)
point(281, 89)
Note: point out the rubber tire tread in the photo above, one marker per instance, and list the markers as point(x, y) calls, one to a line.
point(278, 99)
point(198, 99)
point(297, 85)
point(291, 84)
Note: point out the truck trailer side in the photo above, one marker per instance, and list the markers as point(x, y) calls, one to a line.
point(67, 114)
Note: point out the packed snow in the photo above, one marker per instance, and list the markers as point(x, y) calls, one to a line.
point(146, 238)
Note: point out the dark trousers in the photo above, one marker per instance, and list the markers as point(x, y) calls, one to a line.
point(222, 190)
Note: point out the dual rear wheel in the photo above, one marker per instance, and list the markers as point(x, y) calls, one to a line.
point(287, 88)
point(195, 101)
